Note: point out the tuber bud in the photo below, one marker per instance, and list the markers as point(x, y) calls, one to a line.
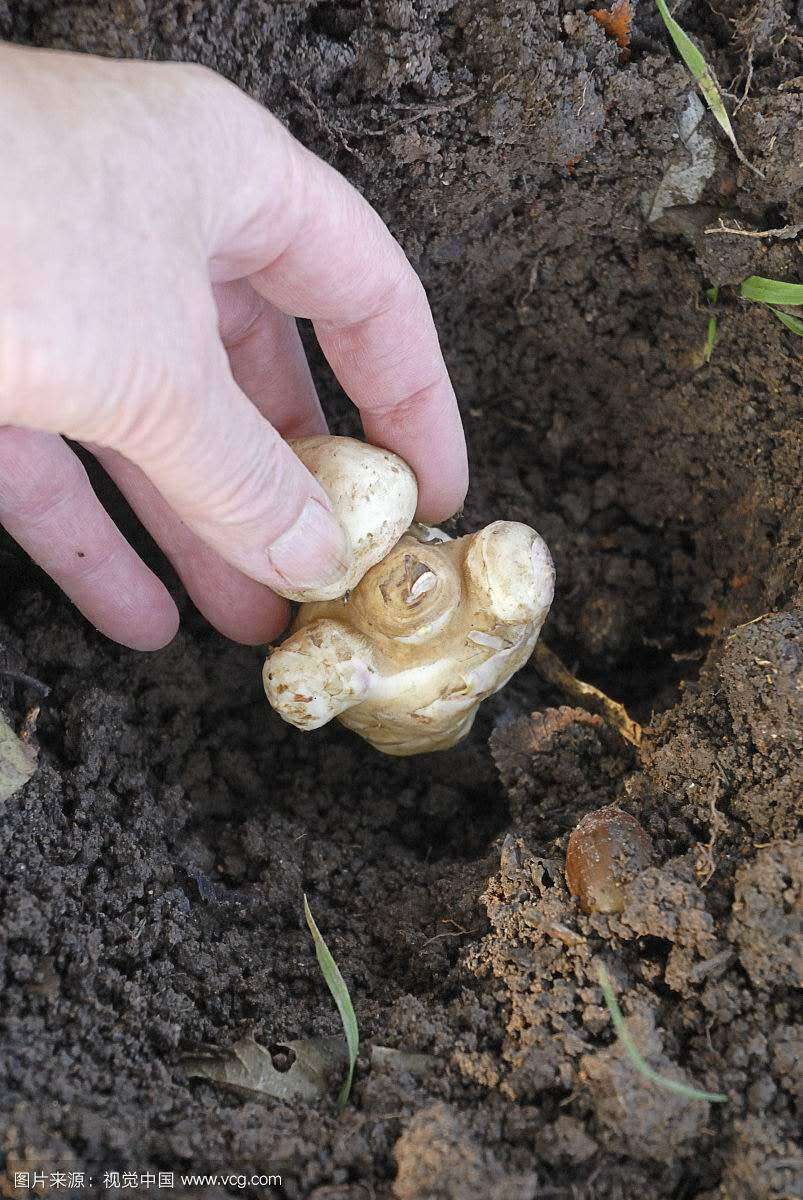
point(431, 627)
point(373, 495)
point(606, 851)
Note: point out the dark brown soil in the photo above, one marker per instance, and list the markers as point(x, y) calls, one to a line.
point(153, 869)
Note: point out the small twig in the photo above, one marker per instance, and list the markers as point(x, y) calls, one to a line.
point(439, 936)
point(786, 231)
point(27, 680)
point(457, 932)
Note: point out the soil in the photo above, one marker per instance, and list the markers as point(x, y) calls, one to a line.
point(153, 868)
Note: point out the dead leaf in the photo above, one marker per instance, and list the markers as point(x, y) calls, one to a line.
point(17, 761)
point(301, 1070)
point(616, 23)
point(248, 1067)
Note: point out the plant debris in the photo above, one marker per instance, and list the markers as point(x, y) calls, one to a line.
point(297, 1070)
point(783, 232)
point(550, 667)
point(18, 759)
point(616, 22)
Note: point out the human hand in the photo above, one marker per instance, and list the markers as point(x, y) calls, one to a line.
point(159, 233)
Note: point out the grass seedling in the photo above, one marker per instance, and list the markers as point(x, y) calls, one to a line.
point(624, 1035)
point(771, 292)
point(340, 994)
point(793, 323)
point(711, 295)
point(704, 78)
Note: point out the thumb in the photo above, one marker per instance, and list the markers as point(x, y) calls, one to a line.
point(234, 481)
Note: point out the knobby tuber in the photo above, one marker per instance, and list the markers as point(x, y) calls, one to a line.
point(431, 625)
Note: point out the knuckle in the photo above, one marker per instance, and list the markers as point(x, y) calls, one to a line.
point(406, 408)
point(396, 290)
point(402, 292)
point(242, 313)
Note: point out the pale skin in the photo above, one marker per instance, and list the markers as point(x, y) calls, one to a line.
point(159, 234)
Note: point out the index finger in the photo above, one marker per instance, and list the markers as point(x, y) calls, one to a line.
point(315, 248)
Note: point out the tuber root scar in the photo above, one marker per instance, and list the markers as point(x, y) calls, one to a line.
point(426, 627)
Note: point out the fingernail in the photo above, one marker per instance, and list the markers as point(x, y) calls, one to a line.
point(312, 553)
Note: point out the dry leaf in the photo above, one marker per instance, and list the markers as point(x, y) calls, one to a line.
point(249, 1067)
point(17, 761)
point(616, 23)
point(308, 1072)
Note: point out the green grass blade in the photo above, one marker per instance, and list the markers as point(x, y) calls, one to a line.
point(793, 323)
point(624, 1035)
point(340, 994)
point(711, 295)
point(704, 78)
point(711, 339)
point(771, 291)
